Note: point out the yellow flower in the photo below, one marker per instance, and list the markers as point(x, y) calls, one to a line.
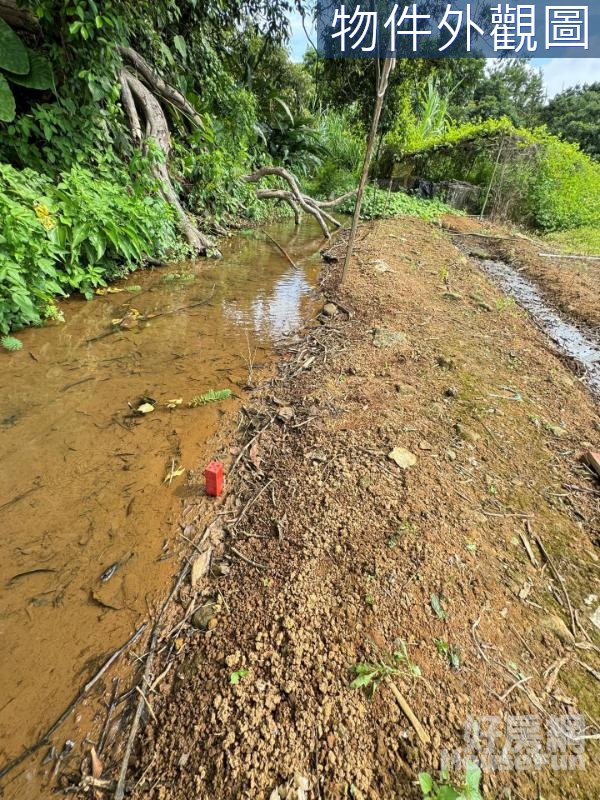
point(42, 212)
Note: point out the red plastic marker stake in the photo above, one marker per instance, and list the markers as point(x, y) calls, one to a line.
point(213, 477)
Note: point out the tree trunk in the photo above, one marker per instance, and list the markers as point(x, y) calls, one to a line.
point(157, 130)
point(20, 18)
point(159, 86)
point(388, 65)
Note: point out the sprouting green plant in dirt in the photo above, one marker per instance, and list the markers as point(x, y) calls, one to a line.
point(451, 653)
point(469, 789)
point(404, 527)
point(237, 676)
point(369, 675)
point(504, 303)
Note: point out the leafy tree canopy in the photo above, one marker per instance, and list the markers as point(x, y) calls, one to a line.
point(513, 89)
point(575, 116)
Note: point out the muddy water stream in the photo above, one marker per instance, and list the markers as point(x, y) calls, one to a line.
point(580, 344)
point(82, 479)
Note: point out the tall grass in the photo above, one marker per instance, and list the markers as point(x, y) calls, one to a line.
point(345, 147)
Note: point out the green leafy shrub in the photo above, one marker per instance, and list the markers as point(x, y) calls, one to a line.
point(72, 235)
point(565, 188)
point(292, 141)
point(378, 203)
point(535, 177)
point(209, 164)
point(344, 144)
point(20, 66)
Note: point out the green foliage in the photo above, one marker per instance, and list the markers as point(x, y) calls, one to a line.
point(21, 66)
point(584, 240)
point(574, 115)
point(512, 89)
point(469, 789)
point(378, 203)
point(452, 654)
point(456, 135)
point(209, 164)
point(71, 235)
point(13, 53)
point(213, 396)
point(565, 191)
point(11, 344)
point(433, 118)
point(540, 179)
point(236, 677)
point(291, 141)
point(344, 143)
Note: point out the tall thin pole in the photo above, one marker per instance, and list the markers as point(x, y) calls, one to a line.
point(381, 90)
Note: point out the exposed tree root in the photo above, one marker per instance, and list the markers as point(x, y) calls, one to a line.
point(296, 198)
point(134, 95)
point(17, 17)
point(160, 86)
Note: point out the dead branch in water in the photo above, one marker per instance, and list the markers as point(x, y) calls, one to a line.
point(82, 692)
point(281, 249)
point(296, 199)
point(145, 683)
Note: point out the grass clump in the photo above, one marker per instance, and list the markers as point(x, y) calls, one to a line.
point(11, 344)
point(370, 674)
point(584, 240)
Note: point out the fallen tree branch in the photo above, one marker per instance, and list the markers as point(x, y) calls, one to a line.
point(408, 712)
point(281, 249)
point(296, 198)
point(82, 692)
point(145, 683)
point(561, 581)
point(569, 255)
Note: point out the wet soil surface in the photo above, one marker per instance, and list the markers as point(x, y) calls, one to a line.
point(582, 346)
point(412, 482)
point(571, 285)
point(90, 534)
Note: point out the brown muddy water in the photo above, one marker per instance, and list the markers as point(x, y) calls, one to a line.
point(82, 478)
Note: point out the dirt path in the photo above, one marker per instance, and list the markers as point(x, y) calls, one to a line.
point(355, 558)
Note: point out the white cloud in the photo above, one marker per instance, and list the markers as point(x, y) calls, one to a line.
point(561, 73)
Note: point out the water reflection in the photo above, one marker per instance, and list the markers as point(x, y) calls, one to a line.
point(82, 482)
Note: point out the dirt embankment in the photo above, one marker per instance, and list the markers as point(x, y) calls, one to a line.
point(333, 555)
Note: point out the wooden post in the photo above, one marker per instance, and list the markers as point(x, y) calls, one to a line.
point(381, 90)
